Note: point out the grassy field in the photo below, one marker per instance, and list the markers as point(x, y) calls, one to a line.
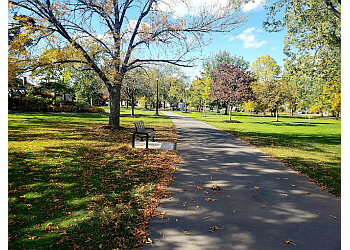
point(72, 184)
point(309, 144)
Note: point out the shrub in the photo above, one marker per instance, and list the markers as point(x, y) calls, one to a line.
point(96, 110)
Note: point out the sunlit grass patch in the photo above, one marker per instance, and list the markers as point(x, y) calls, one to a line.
point(311, 145)
point(73, 184)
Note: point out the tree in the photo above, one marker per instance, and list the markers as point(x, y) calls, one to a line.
point(211, 65)
point(272, 94)
point(265, 69)
point(19, 41)
point(88, 86)
point(180, 92)
point(195, 97)
point(223, 57)
point(134, 32)
point(232, 85)
point(312, 45)
point(134, 85)
point(199, 92)
point(205, 93)
point(266, 72)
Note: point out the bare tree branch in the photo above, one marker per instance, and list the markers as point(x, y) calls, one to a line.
point(332, 9)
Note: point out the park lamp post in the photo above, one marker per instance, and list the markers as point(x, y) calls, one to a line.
point(157, 99)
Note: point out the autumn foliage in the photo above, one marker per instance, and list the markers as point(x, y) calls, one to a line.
point(232, 85)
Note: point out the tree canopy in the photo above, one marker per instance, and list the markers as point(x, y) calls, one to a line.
point(312, 46)
point(211, 64)
point(232, 85)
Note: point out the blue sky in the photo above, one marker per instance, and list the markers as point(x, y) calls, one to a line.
point(250, 40)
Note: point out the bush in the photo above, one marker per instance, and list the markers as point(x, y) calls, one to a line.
point(83, 107)
point(96, 110)
point(31, 103)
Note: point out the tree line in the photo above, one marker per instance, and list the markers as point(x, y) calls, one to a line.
point(112, 38)
point(118, 48)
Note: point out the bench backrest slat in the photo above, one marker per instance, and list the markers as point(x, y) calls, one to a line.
point(140, 126)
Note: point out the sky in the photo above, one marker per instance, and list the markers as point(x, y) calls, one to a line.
point(249, 40)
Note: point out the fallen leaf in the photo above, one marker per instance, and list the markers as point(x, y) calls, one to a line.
point(288, 241)
point(216, 192)
point(257, 187)
point(149, 241)
point(208, 199)
point(263, 206)
point(186, 232)
point(206, 218)
point(214, 228)
point(213, 169)
point(190, 198)
point(307, 192)
point(215, 187)
point(198, 187)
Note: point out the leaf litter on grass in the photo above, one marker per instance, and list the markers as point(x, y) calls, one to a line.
point(87, 190)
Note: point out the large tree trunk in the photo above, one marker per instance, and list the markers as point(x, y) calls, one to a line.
point(114, 104)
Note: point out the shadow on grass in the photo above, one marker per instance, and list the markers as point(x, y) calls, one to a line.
point(81, 187)
point(326, 172)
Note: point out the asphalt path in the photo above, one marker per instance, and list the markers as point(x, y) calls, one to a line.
point(229, 195)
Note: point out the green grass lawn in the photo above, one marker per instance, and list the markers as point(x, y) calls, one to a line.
point(311, 145)
point(72, 184)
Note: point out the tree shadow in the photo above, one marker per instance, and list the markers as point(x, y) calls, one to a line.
point(79, 185)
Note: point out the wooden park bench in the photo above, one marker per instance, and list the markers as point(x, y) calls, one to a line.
point(142, 132)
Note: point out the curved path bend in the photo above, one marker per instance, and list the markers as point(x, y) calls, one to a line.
point(229, 195)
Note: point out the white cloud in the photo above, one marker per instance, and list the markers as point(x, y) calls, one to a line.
point(249, 30)
point(254, 5)
point(249, 39)
point(181, 9)
point(192, 72)
point(198, 73)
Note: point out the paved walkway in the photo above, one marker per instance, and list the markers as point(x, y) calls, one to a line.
point(228, 195)
point(155, 145)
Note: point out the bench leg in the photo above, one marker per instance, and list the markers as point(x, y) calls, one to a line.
point(153, 138)
point(133, 140)
point(147, 142)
